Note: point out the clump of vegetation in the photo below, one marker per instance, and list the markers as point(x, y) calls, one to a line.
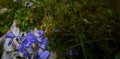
point(89, 27)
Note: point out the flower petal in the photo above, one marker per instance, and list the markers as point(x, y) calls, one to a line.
point(70, 52)
point(44, 54)
point(45, 40)
point(25, 41)
point(43, 46)
point(40, 39)
point(41, 32)
point(28, 44)
point(21, 48)
point(10, 42)
point(31, 37)
point(26, 53)
point(10, 35)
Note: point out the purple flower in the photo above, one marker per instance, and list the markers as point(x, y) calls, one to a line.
point(42, 44)
point(57, 30)
point(70, 52)
point(43, 55)
point(41, 32)
point(10, 35)
point(26, 42)
point(31, 37)
point(10, 42)
point(45, 40)
point(40, 39)
point(26, 53)
point(21, 48)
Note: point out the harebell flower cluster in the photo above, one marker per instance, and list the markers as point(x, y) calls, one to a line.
point(31, 45)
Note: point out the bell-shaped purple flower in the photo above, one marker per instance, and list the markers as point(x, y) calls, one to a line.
point(45, 40)
point(44, 55)
point(41, 33)
point(40, 39)
point(21, 48)
point(43, 44)
point(25, 40)
point(25, 53)
point(31, 37)
point(70, 52)
point(27, 43)
point(10, 35)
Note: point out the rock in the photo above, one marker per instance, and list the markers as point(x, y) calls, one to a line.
point(9, 51)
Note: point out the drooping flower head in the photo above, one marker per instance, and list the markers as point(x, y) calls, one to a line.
point(43, 43)
point(10, 35)
point(25, 53)
point(21, 48)
point(41, 33)
point(31, 37)
point(26, 42)
point(43, 55)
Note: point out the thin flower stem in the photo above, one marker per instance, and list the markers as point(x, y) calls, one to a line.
point(80, 37)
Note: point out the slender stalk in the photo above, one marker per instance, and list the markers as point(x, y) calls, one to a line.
point(80, 37)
